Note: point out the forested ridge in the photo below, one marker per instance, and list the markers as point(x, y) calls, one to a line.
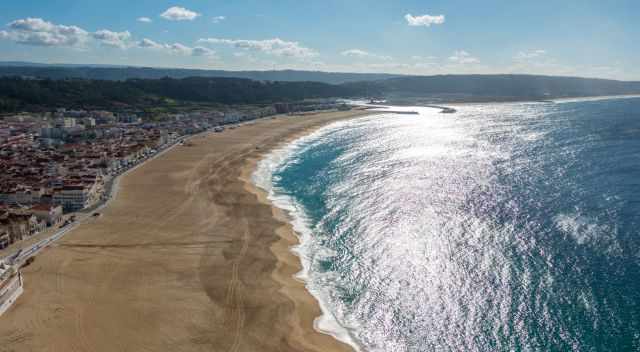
point(35, 94)
point(31, 94)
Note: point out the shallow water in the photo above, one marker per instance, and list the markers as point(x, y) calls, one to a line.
point(504, 227)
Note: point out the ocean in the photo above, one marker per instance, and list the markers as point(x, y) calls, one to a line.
point(503, 227)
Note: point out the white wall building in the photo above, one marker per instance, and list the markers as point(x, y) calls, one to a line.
point(72, 198)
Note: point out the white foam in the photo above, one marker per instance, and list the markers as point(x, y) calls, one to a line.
point(588, 231)
point(263, 178)
point(599, 98)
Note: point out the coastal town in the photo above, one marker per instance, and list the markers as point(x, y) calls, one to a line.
point(56, 164)
point(59, 167)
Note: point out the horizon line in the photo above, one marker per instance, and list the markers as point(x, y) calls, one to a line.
point(116, 66)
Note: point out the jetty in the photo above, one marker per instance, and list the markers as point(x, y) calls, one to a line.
point(402, 112)
point(443, 109)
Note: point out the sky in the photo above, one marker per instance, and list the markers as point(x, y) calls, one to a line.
point(586, 38)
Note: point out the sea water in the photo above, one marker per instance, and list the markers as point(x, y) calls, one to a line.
point(502, 227)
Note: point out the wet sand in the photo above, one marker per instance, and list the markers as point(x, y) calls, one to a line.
point(189, 257)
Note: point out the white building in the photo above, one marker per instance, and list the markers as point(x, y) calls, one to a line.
point(72, 198)
point(69, 122)
point(50, 214)
point(89, 122)
point(10, 286)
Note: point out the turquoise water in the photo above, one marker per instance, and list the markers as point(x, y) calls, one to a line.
point(504, 227)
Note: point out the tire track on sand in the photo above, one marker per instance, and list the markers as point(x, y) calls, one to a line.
point(235, 299)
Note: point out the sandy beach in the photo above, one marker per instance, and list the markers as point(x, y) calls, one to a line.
point(189, 257)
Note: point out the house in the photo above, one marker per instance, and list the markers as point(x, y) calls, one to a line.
point(4, 239)
point(69, 122)
point(48, 213)
point(72, 198)
point(19, 225)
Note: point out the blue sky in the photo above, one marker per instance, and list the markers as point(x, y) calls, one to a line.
point(584, 38)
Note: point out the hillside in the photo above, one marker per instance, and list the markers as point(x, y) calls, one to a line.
point(18, 94)
point(495, 87)
point(113, 73)
point(37, 94)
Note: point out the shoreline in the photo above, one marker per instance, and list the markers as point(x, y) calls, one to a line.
point(188, 256)
point(286, 248)
point(290, 263)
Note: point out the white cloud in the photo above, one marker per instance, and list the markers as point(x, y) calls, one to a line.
point(423, 58)
point(245, 56)
point(177, 48)
point(218, 19)
point(389, 66)
point(355, 52)
point(114, 39)
point(276, 46)
point(144, 20)
point(425, 65)
point(364, 55)
point(527, 55)
point(148, 43)
point(202, 51)
point(178, 13)
point(36, 31)
point(462, 57)
point(424, 20)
